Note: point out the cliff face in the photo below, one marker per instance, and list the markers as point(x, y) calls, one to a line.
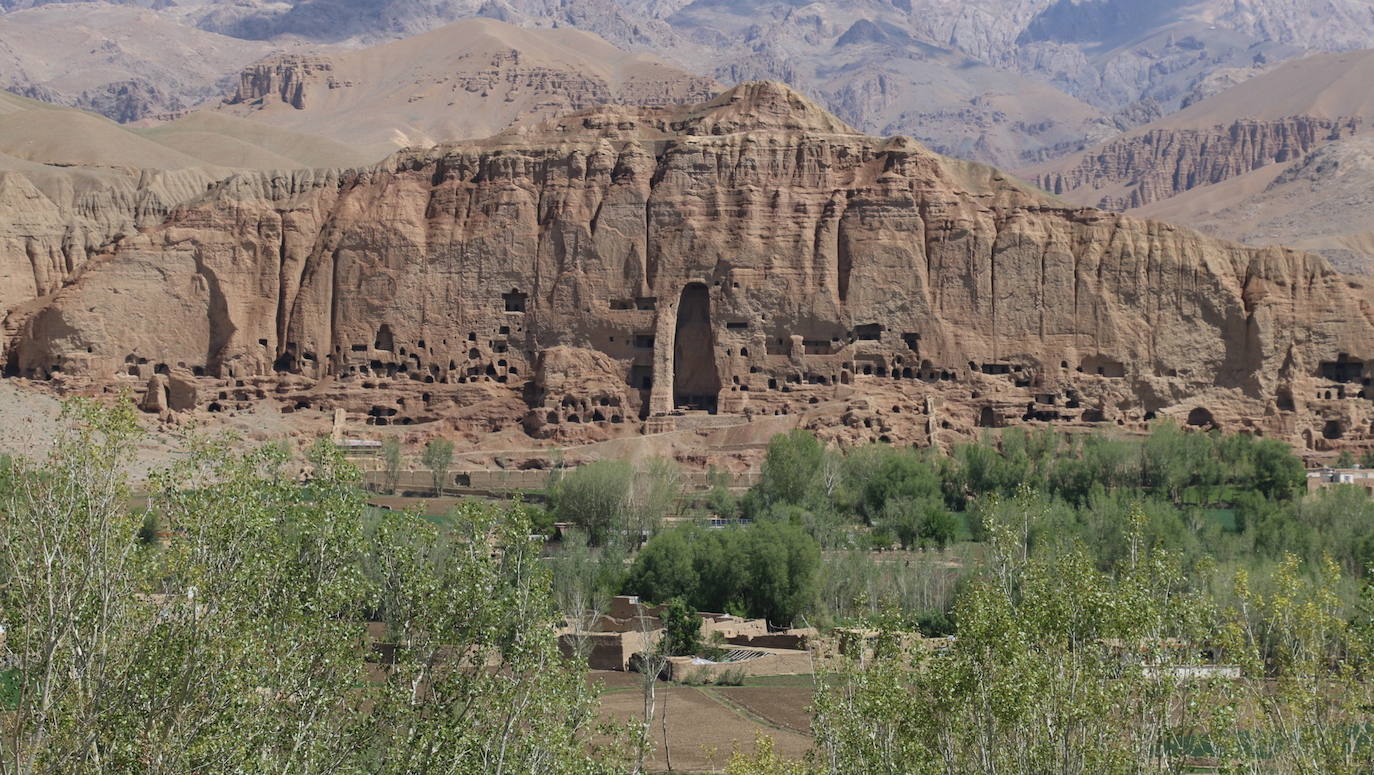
point(750, 255)
point(281, 78)
point(55, 220)
point(1142, 168)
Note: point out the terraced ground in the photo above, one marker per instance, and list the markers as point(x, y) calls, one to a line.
point(704, 723)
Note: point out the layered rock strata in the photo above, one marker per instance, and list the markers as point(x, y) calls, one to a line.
point(623, 269)
point(1141, 168)
point(54, 220)
point(281, 78)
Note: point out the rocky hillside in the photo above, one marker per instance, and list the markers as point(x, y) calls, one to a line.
point(1013, 82)
point(1276, 117)
point(469, 79)
point(1250, 163)
point(1323, 202)
point(750, 255)
point(124, 62)
point(1158, 163)
point(72, 182)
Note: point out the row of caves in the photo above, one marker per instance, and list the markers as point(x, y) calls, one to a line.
point(719, 354)
point(472, 359)
point(697, 382)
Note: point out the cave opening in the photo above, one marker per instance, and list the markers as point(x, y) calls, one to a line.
point(696, 382)
point(1343, 369)
point(1200, 417)
point(515, 300)
point(385, 339)
point(1284, 400)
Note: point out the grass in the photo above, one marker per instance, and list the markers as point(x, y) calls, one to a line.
point(9, 689)
point(1224, 518)
point(802, 681)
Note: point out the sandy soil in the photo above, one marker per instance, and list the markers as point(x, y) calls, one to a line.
point(31, 421)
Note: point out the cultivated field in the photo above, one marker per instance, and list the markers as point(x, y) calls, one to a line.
point(706, 722)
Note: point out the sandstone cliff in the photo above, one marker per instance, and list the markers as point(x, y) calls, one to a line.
point(281, 79)
point(56, 219)
point(1138, 169)
point(752, 255)
point(72, 182)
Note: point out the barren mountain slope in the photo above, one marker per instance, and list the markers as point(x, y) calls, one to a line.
point(1283, 158)
point(1323, 202)
point(120, 61)
point(1106, 51)
point(881, 77)
point(1273, 118)
point(627, 269)
point(228, 141)
point(42, 132)
point(1009, 81)
point(468, 79)
point(1125, 57)
point(70, 181)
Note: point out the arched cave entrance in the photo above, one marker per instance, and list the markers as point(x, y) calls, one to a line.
point(1200, 417)
point(696, 383)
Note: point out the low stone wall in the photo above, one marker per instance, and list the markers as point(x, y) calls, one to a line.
point(771, 662)
point(731, 626)
point(780, 640)
point(632, 624)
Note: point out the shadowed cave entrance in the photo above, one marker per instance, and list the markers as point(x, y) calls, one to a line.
point(696, 383)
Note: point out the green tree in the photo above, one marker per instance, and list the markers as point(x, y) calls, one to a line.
point(438, 458)
point(595, 497)
point(653, 494)
point(882, 474)
point(783, 564)
point(391, 463)
point(667, 567)
point(1172, 459)
point(720, 500)
point(768, 570)
point(1346, 459)
point(792, 469)
point(920, 523)
point(243, 643)
point(1278, 473)
point(1048, 675)
point(681, 629)
point(582, 585)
